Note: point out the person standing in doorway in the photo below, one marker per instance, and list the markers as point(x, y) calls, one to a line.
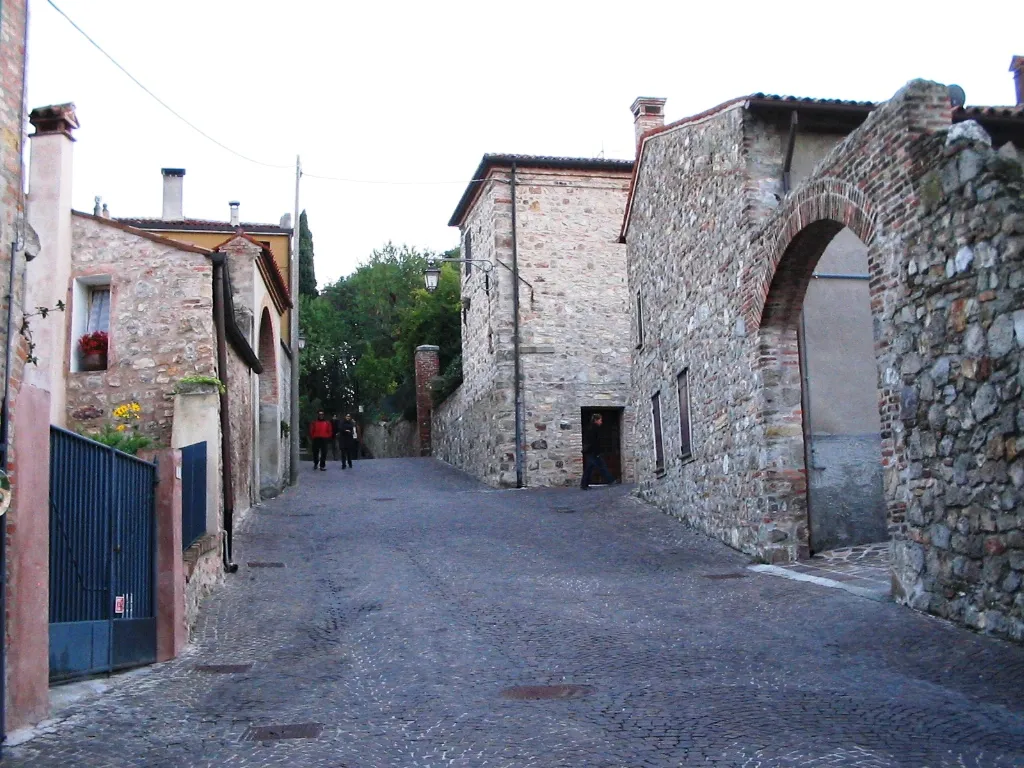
point(592, 458)
point(336, 439)
point(349, 440)
point(320, 433)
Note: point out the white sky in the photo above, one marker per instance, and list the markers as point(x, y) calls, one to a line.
point(418, 91)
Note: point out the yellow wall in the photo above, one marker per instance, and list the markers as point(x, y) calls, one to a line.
point(280, 246)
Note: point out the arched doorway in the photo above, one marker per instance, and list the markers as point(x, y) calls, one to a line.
point(269, 411)
point(822, 407)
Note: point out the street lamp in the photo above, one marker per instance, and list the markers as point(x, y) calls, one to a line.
point(432, 272)
point(302, 341)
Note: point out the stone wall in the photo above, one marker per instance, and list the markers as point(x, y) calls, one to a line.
point(959, 339)
point(478, 436)
point(240, 407)
point(724, 271)
point(683, 241)
point(573, 320)
point(203, 572)
point(161, 325)
point(391, 440)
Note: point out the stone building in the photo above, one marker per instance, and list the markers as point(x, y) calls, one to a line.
point(555, 221)
point(158, 301)
point(780, 394)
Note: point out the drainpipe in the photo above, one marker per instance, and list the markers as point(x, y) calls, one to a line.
point(787, 164)
point(520, 459)
point(225, 421)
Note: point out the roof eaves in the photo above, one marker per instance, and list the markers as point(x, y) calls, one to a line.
point(490, 162)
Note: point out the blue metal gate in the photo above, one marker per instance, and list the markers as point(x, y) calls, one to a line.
point(102, 558)
point(193, 493)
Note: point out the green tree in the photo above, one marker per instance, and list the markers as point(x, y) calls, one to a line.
point(362, 332)
point(307, 274)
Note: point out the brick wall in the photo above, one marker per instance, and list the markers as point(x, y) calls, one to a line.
point(428, 365)
point(161, 326)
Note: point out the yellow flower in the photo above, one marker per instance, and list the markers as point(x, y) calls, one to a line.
point(122, 427)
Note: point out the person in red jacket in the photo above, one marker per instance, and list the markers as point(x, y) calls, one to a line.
point(321, 433)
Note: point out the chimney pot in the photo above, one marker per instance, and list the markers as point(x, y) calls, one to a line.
point(648, 114)
point(1017, 67)
point(174, 180)
point(233, 205)
point(56, 118)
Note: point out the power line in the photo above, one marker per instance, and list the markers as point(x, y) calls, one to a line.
point(321, 177)
point(160, 101)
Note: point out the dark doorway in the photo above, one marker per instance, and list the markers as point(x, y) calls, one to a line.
point(611, 440)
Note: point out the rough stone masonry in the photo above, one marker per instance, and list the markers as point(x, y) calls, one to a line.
point(723, 268)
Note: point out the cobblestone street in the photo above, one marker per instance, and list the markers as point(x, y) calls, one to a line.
point(411, 599)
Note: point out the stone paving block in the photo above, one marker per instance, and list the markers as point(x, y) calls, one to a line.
point(398, 633)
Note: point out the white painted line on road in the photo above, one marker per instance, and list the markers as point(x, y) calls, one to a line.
point(870, 594)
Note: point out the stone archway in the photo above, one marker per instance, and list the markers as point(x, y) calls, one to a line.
point(269, 410)
point(821, 411)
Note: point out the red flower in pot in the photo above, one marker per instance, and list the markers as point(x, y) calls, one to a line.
point(93, 347)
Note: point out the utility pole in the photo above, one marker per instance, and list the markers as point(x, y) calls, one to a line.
point(293, 337)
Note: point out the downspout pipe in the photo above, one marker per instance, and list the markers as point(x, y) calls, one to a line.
point(225, 420)
point(6, 445)
point(517, 365)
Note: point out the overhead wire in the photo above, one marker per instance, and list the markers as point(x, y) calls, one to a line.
point(305, 174)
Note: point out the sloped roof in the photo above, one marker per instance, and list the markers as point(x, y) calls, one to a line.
point(204, 225)
point(120, 224)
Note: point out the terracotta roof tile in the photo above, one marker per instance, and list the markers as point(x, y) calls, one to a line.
point(204, 225)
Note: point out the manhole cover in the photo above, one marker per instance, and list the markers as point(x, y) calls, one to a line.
point(223, 669)
point(385, 498)
point(725, 575)
point(537, 692)
point(266, 565)
point(276, 732)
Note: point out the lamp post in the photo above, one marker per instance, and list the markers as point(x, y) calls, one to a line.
point(302, 341)
point(432, 272)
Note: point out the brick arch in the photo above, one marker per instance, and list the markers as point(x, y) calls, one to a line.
point(267, 351)
point(811, 216)
point(804, 228)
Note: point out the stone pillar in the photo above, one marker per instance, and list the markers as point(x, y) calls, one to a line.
point(428, 365)
point(171, 632)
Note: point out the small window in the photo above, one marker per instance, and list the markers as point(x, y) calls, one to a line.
point(98, 318)
point(639, 321)
point(659, 447)
point(685, 435)
point(468, 253)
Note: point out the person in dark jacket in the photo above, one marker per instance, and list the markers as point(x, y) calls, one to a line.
point(336, 440)
point(320, 433)
point(592, 458)
point(349, 440)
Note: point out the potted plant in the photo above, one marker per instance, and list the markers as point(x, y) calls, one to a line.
point(93, 347)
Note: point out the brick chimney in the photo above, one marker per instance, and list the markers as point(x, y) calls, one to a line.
point(47, 276)
point(428, 365)
point(1017, 67)
point(174, 182)
point(648, 114)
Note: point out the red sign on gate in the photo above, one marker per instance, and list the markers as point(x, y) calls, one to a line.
point(119, 604)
